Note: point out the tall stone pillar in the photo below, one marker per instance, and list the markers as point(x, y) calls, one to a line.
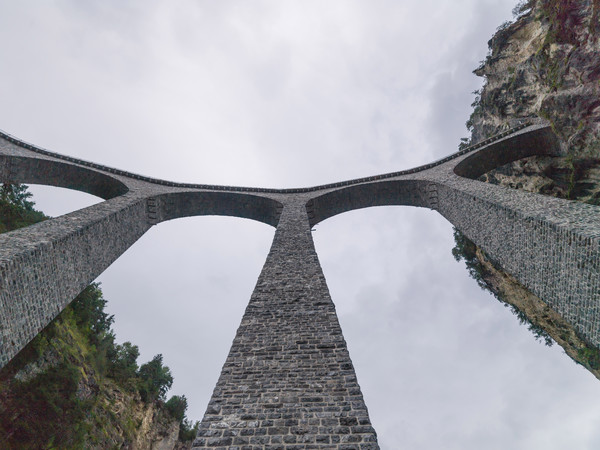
point(288, 381)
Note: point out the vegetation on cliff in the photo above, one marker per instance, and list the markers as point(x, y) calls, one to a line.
point(73, 386)
point(466, 250)
point(544, 64)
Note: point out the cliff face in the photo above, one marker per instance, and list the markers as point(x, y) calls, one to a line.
point(545, 64)
point(55, 395)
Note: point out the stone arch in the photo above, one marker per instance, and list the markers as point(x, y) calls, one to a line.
point(217, 203)
point(49, 172)
point(540, 142)
point(381, 193)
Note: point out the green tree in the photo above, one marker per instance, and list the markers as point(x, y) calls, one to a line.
point(89, 311)
point(188, 429)
point(155, 379)
point(16, 210)
point(177, 405)
point(465, 249)
point(123, 361)
point(33, 411)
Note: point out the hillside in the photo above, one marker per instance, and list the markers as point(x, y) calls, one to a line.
point(543, 64)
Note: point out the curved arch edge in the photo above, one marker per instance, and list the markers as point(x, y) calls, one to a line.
point(394, 192)
point(175, 205)
point(540, 142)
point(19, 169)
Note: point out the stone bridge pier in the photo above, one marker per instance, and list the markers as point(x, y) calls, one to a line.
point(288, 381)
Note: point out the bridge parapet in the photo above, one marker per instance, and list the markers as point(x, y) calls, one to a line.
point(18, 144)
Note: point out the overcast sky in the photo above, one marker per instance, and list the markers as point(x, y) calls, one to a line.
point(289, 94)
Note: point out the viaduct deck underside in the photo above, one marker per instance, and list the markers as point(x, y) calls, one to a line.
point(288, 381)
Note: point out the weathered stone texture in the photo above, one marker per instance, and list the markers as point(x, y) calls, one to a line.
point(44, 266)
point(549, 245)
point(288, 381)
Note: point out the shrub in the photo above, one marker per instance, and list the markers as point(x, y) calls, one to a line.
point(155, 379)
point(177, 405)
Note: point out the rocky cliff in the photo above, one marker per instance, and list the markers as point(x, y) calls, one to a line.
point(545, 63)
point(58, 393)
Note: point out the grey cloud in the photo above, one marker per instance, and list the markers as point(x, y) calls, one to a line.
point(289, 94)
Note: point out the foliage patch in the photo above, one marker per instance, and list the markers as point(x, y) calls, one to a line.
point(466, 250)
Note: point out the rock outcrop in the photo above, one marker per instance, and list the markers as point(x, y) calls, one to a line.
point(60, 372)
point(546, 63)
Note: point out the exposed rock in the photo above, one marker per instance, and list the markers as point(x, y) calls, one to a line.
point(151, 436)
point(131, 424)
point(545, 64)
point(115, 416)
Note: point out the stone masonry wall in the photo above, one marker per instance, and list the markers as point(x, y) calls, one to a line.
point(44, 266)
point(551, 246)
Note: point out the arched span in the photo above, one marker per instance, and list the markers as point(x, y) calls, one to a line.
point(18, 169)
point(541, 141)
point(208, 203)
point(393, 192)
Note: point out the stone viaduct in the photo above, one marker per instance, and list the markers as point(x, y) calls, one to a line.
point(288, 381)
